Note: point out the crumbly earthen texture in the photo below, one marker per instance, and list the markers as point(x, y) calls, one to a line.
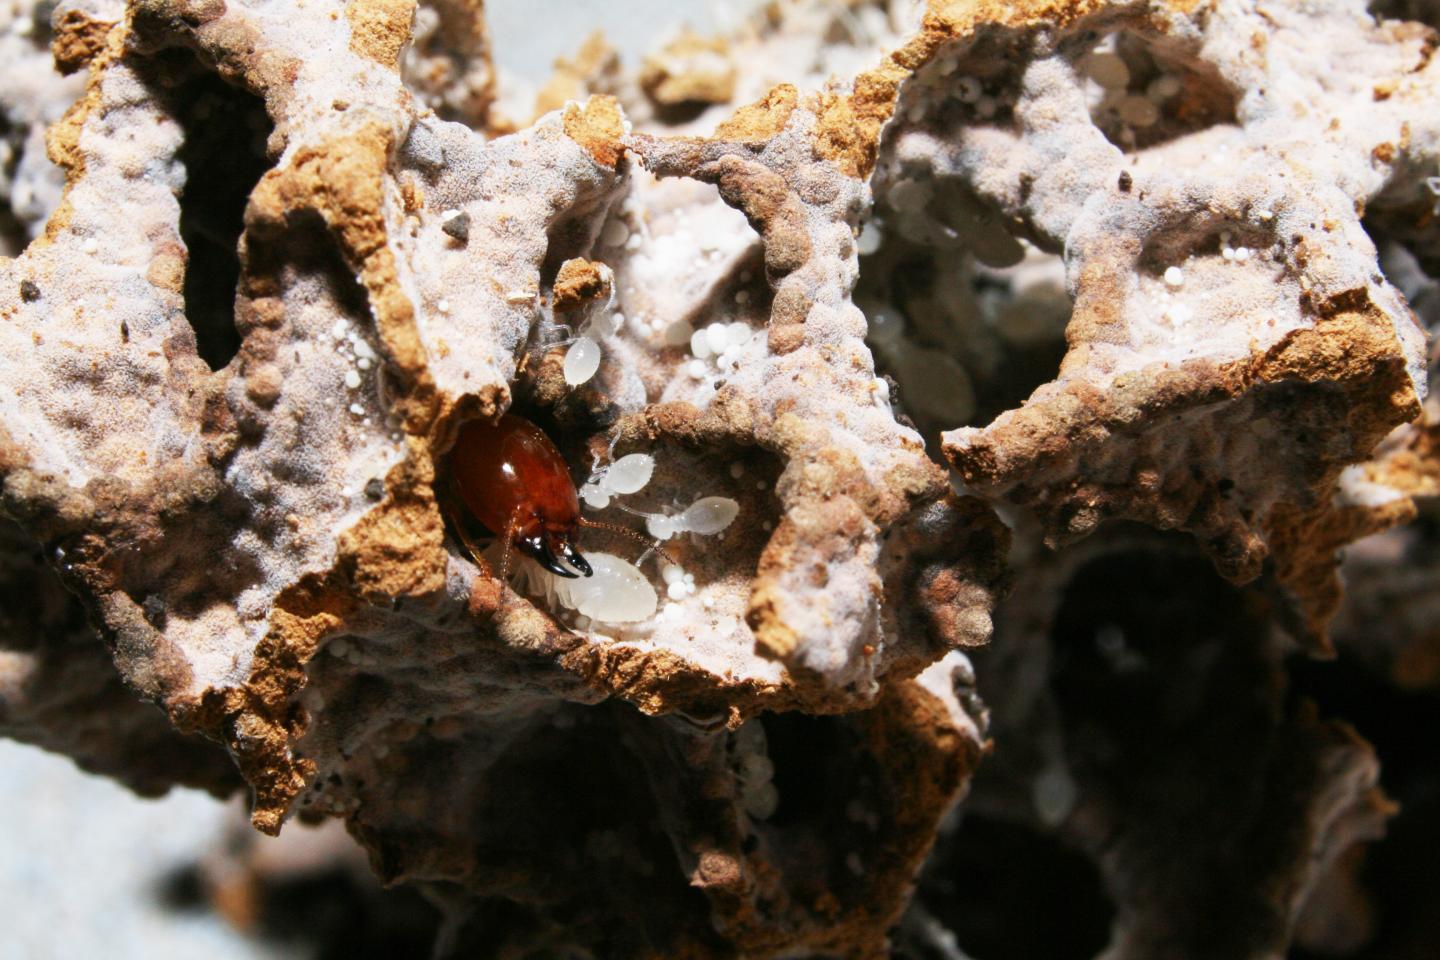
point(1061, 262)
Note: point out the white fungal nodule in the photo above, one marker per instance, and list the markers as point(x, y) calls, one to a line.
point(717, 337)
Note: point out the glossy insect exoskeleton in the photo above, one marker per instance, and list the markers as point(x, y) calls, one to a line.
point(513, 480)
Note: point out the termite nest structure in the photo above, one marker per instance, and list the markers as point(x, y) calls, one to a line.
point(676, 439)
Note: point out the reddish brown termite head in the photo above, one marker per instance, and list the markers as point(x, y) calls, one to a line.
point(512, 479)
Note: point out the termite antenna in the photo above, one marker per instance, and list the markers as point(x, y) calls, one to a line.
point(651, 546)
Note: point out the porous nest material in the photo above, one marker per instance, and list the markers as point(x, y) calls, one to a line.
point(250, 496)
point(1233, 345)
point(263, 546)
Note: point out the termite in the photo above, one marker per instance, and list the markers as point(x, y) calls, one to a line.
point(510, 477)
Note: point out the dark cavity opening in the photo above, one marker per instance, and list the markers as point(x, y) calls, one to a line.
point(813, 756)
point(1168, 695)
point(1387, 708)
point(224, 155)
point(1422, 11)
point(824, 772)
point(1004, 330)
point(325, 910)
point(1007, 892)
point(566, 816)
point(1141, 641)
point(12, 233)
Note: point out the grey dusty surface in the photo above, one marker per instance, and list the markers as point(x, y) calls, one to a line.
point(1032, 400)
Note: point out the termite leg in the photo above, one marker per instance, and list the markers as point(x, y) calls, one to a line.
point(449, 506)
point(475, 555)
